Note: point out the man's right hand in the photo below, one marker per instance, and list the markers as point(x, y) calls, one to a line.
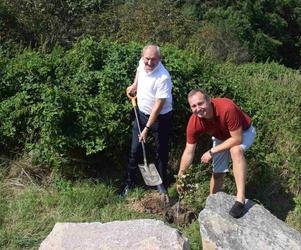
point(179, 188)
point(179, 185)
point(132, 89)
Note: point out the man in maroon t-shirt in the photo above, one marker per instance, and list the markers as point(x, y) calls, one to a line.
point(232, 134)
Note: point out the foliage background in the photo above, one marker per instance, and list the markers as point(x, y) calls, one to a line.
point(240, 31)
point(68, 106)
point(64, 68)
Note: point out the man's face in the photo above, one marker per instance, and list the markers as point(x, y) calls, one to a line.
point(200, 105)
point(150, 58)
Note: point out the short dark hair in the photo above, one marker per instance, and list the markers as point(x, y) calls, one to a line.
point(194, 91)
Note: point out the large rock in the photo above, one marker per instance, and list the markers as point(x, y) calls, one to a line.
point(257, 229)
point(130, 235)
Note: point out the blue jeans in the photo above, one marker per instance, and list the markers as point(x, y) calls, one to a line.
point(160, 130)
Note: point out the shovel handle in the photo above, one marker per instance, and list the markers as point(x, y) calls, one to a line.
point(133, 99)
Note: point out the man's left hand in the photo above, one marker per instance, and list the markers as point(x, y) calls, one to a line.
point(143, 135)
point(206, 157)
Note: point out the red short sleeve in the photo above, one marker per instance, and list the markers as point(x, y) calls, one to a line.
point(194, 129)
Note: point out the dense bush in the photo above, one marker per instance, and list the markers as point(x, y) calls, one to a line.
point(270, 30)
point(239, 31)
point(41, 22)
point(144, 21)
point(270, 93)
point(68, 105)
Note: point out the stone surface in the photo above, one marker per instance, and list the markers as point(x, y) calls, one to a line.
point(144, 234)
point(256, 229)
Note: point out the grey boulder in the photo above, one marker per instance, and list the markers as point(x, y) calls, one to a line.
point(140, 234)
point(256, 229)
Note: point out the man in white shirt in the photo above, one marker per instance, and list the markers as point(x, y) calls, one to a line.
point(153, 87)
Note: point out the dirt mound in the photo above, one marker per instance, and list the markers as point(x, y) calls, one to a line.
point(173, 211)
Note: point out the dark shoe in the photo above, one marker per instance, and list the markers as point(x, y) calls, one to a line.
point(125, 190)
point(237, 209)
point(161, 189)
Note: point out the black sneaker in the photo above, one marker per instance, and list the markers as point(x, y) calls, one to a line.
point(161, 189)
point(237, 209)
point(124, 191)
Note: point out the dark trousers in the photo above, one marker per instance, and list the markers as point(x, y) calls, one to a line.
point(160, 130)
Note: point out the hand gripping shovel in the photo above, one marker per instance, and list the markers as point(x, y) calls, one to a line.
point(149, 172)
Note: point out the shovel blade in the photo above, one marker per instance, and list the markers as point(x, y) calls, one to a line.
point(150, 174)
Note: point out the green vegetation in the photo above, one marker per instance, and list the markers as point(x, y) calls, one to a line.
point(68, 110)
point(240, 31)
point(65, 119)
point(28, 215)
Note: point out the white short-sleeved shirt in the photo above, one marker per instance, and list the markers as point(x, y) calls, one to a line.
point(153, 85)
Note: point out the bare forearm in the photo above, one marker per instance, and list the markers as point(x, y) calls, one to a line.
point(133, 88)
point(227, 144)
point(234, 140)
point(186, 159)
point(155, 112)
point(152, 118)
point(135, 83)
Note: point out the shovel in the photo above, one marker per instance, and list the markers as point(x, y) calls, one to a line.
point(149, 172)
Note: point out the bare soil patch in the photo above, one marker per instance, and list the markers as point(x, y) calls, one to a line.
point(172, 210)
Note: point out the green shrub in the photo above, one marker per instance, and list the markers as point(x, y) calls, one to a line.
point(270, 93)
point(71, 105)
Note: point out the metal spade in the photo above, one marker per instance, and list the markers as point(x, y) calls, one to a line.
point(149, 172)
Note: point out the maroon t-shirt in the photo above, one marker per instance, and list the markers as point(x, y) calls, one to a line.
point(227, 117)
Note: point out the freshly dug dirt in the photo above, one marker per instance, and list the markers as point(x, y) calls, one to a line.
point(173, 211)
